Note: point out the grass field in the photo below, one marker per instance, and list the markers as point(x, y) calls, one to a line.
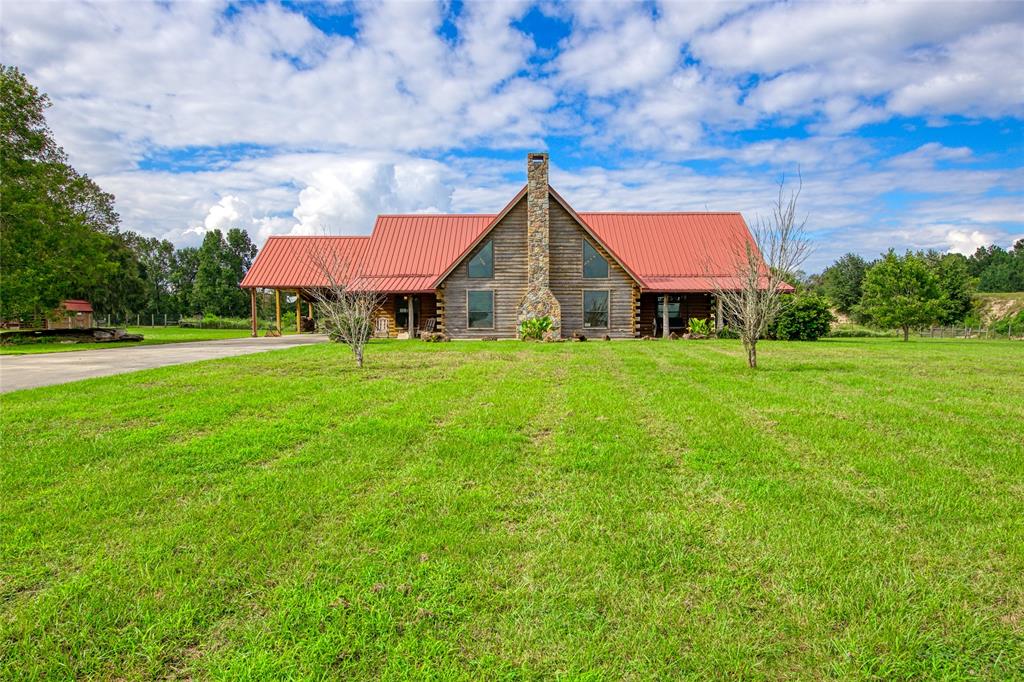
point(854, 510)
point(152, 335)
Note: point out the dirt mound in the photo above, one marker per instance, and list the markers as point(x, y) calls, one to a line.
point(999, 306)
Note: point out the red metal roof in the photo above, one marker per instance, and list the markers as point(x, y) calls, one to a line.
point(675, 251)
point(290, 262)
point(76, 305)
point(409, 253)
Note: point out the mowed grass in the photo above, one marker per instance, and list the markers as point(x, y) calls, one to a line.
point(151, 336)
point(852, 510)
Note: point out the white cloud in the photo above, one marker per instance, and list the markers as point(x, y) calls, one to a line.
point(227, 213)
point(348, 127)
point(967, 242)
point(344, 198)
point(138, 75)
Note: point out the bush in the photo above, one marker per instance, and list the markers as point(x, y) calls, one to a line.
point(214, 322)
point(728, 333)
point(535, 328)
point(1014, 323)
point(804, 318)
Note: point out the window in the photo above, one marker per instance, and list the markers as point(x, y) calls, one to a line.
point(480, 307)
point(595, 309)
point(594, 265)
point(481, 266)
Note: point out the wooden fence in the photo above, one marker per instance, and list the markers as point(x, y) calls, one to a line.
point(969, 333)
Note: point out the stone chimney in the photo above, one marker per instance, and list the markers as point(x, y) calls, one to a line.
point(538, 301)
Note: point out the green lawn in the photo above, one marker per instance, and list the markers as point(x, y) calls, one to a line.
point(153, 335)
point(852, 510)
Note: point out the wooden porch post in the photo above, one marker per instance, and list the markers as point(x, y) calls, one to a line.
point(277, 301)
point(412, 322)
point(664, 316)
point(252, 308)
point(298, 312)
point(718, 314)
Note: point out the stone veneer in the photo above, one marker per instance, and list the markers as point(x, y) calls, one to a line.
point(538, 300)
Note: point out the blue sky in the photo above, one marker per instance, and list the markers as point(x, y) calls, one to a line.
point(903, 119)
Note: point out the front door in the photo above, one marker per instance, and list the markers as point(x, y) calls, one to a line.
point(402, 312)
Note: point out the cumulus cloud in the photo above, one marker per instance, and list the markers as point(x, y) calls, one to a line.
point(345, 198)
point(229, 212)
point(205, 115)
point(967, 241)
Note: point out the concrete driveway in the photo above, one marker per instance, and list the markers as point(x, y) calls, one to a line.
point(29, 371)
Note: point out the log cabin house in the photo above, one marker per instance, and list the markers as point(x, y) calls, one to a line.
point(621, 274)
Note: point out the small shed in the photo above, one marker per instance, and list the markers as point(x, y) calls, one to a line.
point(73, 313)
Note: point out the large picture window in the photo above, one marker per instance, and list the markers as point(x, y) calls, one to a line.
point(481, 266)
point(594, 264)
point(480, 307)
point(595, 309)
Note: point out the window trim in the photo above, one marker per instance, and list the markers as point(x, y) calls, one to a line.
point(469, 261)
point(608, 313)
point(583, 260)
point(494, 315)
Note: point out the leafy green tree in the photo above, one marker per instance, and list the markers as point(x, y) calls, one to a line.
point(841, 282)
point(805, 317)
point(222, 263)
point(209, 293)
point(57, 227)
point(155, 264)
point(956, 286)
point(998, 269)
point(900, 292)
point(182, 280)
point(240, 253)
point(123, 291)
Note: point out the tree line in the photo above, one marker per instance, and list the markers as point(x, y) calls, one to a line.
point(61, 238)
point(919, 288)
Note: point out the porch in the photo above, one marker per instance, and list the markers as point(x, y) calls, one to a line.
point(400, 315)
point(682, 306)
point(406, 315)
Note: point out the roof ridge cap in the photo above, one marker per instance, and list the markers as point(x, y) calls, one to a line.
point(660, 213)
point(318, 236)
point(436, 215)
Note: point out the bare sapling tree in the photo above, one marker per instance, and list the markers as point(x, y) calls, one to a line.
point(751, 294)
point(345, 302)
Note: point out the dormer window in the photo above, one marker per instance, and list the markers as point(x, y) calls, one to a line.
point(594, 264)
point(481, 266)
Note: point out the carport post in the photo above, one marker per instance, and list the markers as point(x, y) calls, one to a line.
point(277, 301)
point(298, 312)
point(252, 309)
point(664, 316)
point(718, 315)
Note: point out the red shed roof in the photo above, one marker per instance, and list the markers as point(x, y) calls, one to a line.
point(76, 305)
point(410, 253)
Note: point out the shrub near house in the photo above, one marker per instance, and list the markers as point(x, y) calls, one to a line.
point(804, 318)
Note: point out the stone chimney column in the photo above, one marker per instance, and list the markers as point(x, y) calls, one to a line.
point(538, 221)
point(539, 301)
